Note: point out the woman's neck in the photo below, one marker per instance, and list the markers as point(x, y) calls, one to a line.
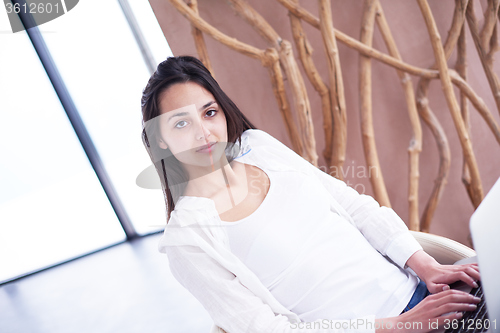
point(210, 181)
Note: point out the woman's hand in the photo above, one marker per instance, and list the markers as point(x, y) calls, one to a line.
point(433, 312)
point(437, 277)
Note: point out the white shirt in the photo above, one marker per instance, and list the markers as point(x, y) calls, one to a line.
point(314, 262)
point(200, 257)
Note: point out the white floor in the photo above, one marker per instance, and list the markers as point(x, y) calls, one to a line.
point(126, 288)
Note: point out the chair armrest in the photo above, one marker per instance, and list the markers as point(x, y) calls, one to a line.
point(446, 251)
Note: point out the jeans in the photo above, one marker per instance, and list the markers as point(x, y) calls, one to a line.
point(420, 293)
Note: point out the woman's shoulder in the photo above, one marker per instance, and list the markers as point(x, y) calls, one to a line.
point(265, 151)
point(258, 138)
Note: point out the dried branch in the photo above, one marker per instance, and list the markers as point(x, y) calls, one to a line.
point(366, 113)
point(416, 141)
point(199, 41)
point(201, 24)
point(357, 45)
point(294, 7)
point(485, 57)
point(477, 102)
point(489, 27)
point(432, 122)
point(337, 96)
point(444, 156)
point(461, 66)
point(297, 85)
point(452, 102)
point(305, 54)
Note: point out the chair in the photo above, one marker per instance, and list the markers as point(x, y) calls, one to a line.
point(446, 251)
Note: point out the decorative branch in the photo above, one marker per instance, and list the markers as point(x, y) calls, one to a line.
point(452, 102)
point(337, 96)
point(461, 66)
point(489, 26)
point(444, 156)
point(305, 54)
point(366, 113)
point(485, 57)
point(287, 59)
point(432, 122)
point(199, 41)
point(357, 45)
point(416, 141)
point(477, 102)
point(201, 24)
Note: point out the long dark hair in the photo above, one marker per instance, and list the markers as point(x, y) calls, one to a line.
point(169, 72)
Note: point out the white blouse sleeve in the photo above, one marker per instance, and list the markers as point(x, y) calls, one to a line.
point(231, 305)
point(381, 226)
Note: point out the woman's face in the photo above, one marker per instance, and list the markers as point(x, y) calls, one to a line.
point(192, 125)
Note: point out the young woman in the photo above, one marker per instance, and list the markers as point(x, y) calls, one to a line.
point(269, 243)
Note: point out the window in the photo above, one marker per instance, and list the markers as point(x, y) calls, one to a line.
point(52, 205)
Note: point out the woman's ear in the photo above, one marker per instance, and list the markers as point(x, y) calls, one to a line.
point(162, 144)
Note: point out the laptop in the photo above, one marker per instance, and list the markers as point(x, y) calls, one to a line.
point(485, 231)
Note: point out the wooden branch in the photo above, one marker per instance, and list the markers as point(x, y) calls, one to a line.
point(199, 41)
point(452, 102)
point(265, 57)
point(301, 100)
point(232, 43)
point(305, 54)
point(357, 45)
point(430, 119)
point(416, 141)
point(366, 113)
point(489, 26)
point(297, 85)
point(486, 58)
point(278, 85)
point(461, 66)
point(444, 154)
point(477, 102)
point(494, 46)
point(456, 27)
point(249, 14)
point(294, 7)
point(433, 123)
point(337, 96)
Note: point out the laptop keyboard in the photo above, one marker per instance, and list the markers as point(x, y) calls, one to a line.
point(473, 321)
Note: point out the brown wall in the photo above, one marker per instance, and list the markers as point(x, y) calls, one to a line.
point(247, 83)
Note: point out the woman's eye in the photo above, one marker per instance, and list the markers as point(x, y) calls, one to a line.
point(181, 124)
point(211, 113)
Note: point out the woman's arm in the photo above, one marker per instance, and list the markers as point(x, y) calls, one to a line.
point(381, 226)
point(437, 277)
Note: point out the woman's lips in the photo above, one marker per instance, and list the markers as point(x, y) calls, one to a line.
point(206, 148)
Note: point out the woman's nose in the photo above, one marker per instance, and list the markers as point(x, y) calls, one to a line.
point(203, 132)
